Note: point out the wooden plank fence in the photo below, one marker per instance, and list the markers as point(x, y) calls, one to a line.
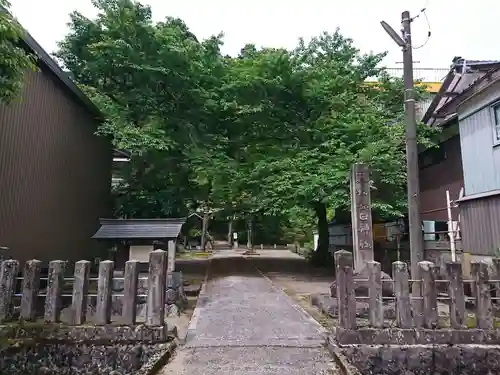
point(417, 312)
point(30, 286)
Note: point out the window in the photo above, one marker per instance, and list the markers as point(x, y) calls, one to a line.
point(496, 128)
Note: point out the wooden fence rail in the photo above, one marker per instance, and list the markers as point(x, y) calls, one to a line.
point(30, 288)
point(422, 311)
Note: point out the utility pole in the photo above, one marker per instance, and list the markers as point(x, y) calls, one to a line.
point(416, 240)
point(415, 231)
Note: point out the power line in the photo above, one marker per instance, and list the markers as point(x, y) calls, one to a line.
point(429, 32)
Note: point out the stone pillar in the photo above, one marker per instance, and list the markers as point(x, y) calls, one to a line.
point(249, 232)
point(361, 215)
point(204, 230)
point(171, 256)
point(235, 242)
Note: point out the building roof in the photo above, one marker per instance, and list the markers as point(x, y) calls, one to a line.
point(153, 229)
point(462, 75)
point(48, 62)
point(483, 82)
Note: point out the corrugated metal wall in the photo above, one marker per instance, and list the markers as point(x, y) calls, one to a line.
point(55, 173)
point(480, 225)
point(481, 161)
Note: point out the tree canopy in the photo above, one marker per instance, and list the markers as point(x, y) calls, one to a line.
point(268, 132)
point(14, 59)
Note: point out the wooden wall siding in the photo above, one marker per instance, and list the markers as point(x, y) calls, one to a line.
point(55, 173)
point(437, 178)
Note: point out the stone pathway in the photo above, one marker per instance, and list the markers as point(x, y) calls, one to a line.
point(245, 325)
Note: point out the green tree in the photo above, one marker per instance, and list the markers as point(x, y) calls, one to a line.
point(153, 81)
point(15, 61)
point(339, 120)
point(298, 120)
point(269, 132)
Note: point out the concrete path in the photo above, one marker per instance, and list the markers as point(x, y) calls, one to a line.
point(245, 325)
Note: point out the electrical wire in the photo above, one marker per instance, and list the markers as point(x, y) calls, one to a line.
point(429, 33)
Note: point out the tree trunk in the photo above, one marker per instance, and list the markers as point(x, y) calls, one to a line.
point(204, 230)
point(230, 231)
point(322, 256)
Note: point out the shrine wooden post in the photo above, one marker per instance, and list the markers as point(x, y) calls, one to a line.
point(361, 215)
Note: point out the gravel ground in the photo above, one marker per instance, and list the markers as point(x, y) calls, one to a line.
point(244, 324)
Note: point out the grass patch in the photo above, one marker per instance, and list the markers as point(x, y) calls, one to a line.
point(470, 322)
point(193, 255)
point(304, 301)
point(193, 281)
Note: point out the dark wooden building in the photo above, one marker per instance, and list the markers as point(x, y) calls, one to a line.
point(55, 173)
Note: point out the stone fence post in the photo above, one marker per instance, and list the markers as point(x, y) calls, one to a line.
point(402, 292)
point(427, 271)
point(130, 288)
point(104, 292)
point(54, 288)
point(80, 291)
point(155, 306)
point(376, 312)
point(483, 297)
point(30, 288)
point(345, 290)
point(456, 294)
point(8, 274)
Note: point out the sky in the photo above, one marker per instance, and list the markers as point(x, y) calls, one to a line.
point(458, 27)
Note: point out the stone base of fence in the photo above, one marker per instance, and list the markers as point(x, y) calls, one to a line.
point(54, 348)
point(83, 333)
point(416, 359)
point(421, 325)
point(115, 323)
point(84, 358)
point(397, 336)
